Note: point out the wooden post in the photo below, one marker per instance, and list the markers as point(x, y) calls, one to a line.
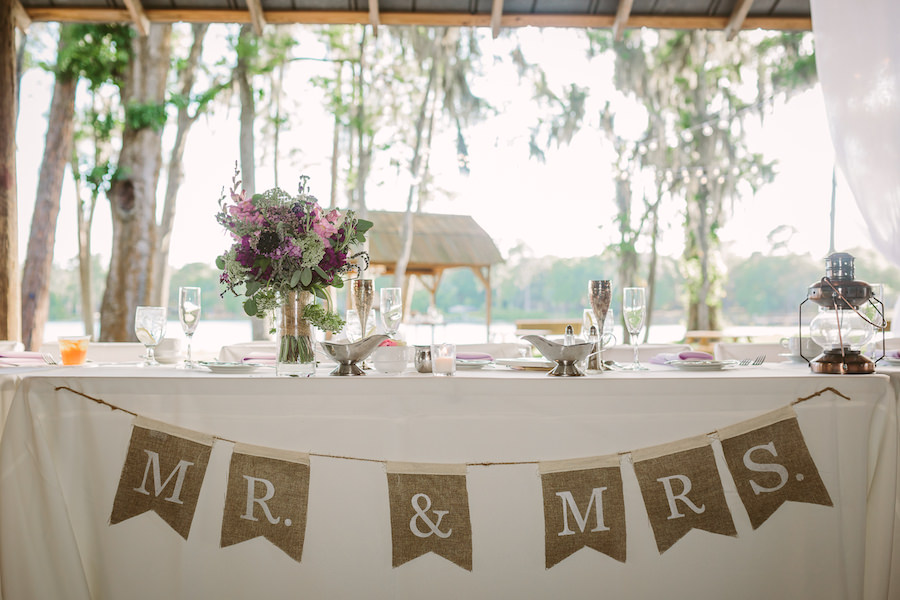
point(9, 262)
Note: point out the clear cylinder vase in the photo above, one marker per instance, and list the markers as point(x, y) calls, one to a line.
point(294, 341)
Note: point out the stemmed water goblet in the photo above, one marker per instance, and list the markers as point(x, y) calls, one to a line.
point(189, 315)
point(150, 328)
point(363, 296)
point(391, 309)
point(634, 308)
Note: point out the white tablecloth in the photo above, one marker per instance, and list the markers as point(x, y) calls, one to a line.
point(61, 457)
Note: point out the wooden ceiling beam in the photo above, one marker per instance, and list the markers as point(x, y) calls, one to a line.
point(496, 18)
point(257, 17)
point(623, 13)
point(285, 17)
point(23, 21)
point(138, 17)
point(736, 21)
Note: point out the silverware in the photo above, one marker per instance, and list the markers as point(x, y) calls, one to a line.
point(755, 362)
point(48, 358)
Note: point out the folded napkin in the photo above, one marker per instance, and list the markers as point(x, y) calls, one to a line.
point(893, 354)
point(11, 358)
point(661, 359)
point(262, 358)
point(474, 356)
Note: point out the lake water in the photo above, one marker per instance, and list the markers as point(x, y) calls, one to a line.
point(212, 335)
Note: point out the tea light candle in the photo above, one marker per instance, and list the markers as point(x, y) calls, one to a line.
point(444, 365)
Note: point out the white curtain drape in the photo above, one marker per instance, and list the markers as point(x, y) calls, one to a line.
point(858, 61)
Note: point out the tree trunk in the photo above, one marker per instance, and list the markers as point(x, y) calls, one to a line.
point(362, 155)
point(20, 70)
point(39, 256)
point(184, 121)
point(85, 218)
point(415, 171)
point(132, 194)
point(9, 267)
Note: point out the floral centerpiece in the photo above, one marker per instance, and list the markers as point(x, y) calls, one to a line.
point(286, 252)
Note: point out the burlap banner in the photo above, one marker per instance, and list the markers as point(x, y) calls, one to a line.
point(266, 496)
point(584, 506)
point(429, 512)
point(682, 490)
point(771, 464)
point(160, 450)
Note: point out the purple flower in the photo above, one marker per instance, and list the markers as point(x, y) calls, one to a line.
point(245, 254)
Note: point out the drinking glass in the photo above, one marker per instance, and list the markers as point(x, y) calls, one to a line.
point(353, 328)
point(391, 309)
point(634, 308)
point(189, 315)
point(150, 328)
point(363, 296)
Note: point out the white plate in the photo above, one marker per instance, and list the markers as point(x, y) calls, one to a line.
point(541, 364)
point(701, 365)
point(230, 368)
point(473, 364)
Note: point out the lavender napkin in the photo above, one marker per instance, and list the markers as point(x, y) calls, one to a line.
point(474, 356)
point(661, 359)
point(259, 358)
point(21, 359)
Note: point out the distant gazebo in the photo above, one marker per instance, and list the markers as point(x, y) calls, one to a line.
point(440, 242)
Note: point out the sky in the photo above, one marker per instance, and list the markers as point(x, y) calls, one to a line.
point(562, 207)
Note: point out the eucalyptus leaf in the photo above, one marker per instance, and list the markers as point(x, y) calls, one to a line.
point(306, 277)
point(220, 263)
point(295, 278)
point(250, 307)
point(321, 273)
point(362, 225)
point(252, 288)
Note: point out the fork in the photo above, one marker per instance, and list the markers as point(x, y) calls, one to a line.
point(48, 358)
point(746, 362)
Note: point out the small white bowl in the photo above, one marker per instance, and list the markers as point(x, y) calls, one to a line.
point(391, 359)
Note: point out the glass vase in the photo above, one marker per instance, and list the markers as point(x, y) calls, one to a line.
point(294, 341)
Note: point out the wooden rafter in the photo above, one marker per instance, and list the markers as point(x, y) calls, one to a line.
point(374, 17)
point(736, 22)
point(623, 13)
point(257, 18)
point(496, 18)
point(23, 21)
point(286, 17)
point(137, 16)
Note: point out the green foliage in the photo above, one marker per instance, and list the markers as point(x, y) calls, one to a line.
point(98, 53)
point(139, 115)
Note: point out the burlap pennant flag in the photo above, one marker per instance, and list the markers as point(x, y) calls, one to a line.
point(771, 464)
point(163, 472)
point(267, 496)
point(682, 490)
point(429, 512)
point(584, 506)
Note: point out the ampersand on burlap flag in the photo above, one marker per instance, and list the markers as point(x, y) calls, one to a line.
point(770, 464)
point(267, 495)
point(682, 490)
point(163, 472)
point(584, 506)
point(429, 512)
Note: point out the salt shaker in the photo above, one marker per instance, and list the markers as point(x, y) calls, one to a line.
point(593, 359)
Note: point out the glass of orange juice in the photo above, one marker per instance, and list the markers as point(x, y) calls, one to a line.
point(73, 349)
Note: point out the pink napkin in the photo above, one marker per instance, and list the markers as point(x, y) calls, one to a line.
point(893, 354)
point(21, 359)
point(474, 356)
point(661, 359)
point(261, 358)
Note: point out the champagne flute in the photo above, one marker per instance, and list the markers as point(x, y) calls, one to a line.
point(391, 309)
point(150, 328)
point(634, 308)
point(363, 296)
point(599, 297)
point(189, 315)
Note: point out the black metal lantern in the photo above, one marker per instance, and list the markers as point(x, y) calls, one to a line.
point(840, 328)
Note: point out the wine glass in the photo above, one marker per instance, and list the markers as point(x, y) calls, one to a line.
point(634, 308)
point(391, 309)
point(189, 315)
point(150, 328)
point(363, 296)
